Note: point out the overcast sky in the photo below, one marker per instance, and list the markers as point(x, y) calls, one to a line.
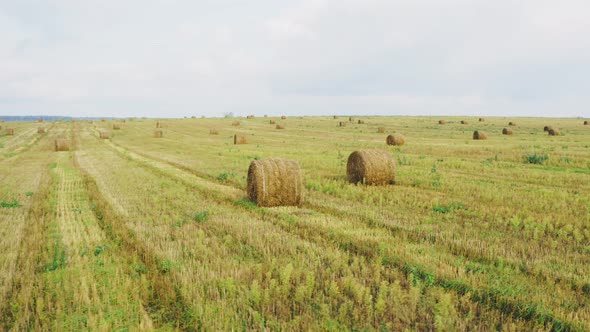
point(207, 57)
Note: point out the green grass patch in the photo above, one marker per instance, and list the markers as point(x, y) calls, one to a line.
point(10, 204)
point(536, 158)
point(200, 217)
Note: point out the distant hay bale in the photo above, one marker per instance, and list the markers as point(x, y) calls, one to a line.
point(236, 123)
point(40, 130)
point(116, 127)
point(272, 122)
point(381, 130)
point(396, 139)
point(193, 117)
point(62, 144)
point(240, 139)
point(158, 124)
point(441, 122)
point(280, 126)
point(547, 128)
point(463, 122)
point(250, 117)
point(371, 167)
point(104, 135)
point(266, 115)
point(554, 132)
point(283, 117)
point(506, 131)
point(361, 122)
point(585, 123)
point(341, 124)
point(350, 119)
point(335, 117)
point(213, 131)
point(158, 134)
point(40, 120)
point(481, 119)
point(123, 120)
point(511, 124)
point(478, 135)
point(10, 131)
point(102, 120)
point(275, 182)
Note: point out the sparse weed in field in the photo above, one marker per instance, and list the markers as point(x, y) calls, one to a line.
point(9, 154)
point(565, 160)
point(52, 165)
point(224, 176)
point(29, 193)
point(402, 160)
point(448, 208)
point(200, 217)
point(13, 204)
point(165, 266)
point(536, 158)
point(246, 203)
point(100, 249)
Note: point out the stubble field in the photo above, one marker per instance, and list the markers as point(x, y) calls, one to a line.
point(143, 233)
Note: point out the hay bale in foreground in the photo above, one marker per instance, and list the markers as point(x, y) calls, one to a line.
point(381, 130)
point(506, 131)
point(272, 122)
point(396, 139)
point(240, 139)
point(371, 167)
point(341, 124)
point(213, 131)
point(511, 124)
point(361, 122)
point(481, 119)
point(554, 132)
point(477, 135)
point(116, 127)
point(283, 117)
point(10, 131)
point(585, 123)
point(104, 135)
point(62, 144)
point(40, 130)
point(158, 134)
point(463, 122)
point(275, 182)
point(236, 123)
point(547, 128)
point(280, 126)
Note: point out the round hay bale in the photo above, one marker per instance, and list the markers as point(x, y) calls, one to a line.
point(250, 117)
point(361, 122)
point(213, 131)
point(275, 182)
point(481, 119)
point(479, 135)
point(158, 134)
point(102, 120)
point(463, 122)
point(554, 132)
point(350, 119)
point(236, 123)
point(62, 144)
point(104, 135)
point(272, 122)
point(10, 131)
point(158, 124)
point(396, 139)
point(547, 128)
point(441, 122)
point(283, 117)
point(341, 124)
point(506, 131)
point(240, 139)
point(116, 127)
point(585, 123)
point(511, 124)
point(280, 126)
point(381, 130)
point(335, 117)
point(40, 130)
point(40, 120)
point(371, 167)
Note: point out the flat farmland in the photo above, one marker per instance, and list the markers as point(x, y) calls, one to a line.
point(136, 232)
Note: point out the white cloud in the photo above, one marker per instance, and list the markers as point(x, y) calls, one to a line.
point(315, 57)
